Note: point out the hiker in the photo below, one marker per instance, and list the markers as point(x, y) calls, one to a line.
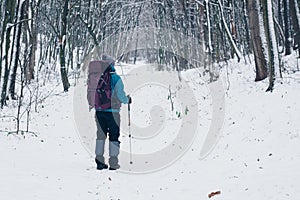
point(107, 106)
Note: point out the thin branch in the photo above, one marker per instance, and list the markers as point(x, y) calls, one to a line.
point(237, 51)
point(19, 22)
point(50, 23)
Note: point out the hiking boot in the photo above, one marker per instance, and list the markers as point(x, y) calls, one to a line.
point(111, 168)
point(101, 165)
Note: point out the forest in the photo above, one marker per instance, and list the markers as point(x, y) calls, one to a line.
point(215, 99)
point(45, 39)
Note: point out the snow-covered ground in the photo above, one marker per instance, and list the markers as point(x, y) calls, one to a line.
point(256, 154)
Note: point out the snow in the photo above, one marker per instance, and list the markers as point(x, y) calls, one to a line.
point(255, 155)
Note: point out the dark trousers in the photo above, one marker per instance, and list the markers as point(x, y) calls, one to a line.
point(108, 123)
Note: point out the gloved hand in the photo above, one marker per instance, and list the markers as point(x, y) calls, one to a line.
point(129, 99)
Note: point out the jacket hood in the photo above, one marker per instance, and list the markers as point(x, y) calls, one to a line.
point(108, 59)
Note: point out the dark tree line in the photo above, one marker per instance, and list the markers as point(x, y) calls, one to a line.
point(57, 35)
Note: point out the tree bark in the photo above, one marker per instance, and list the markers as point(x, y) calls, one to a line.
point(246, 23)
point(33, 41)
point(256, 40)
point(17, 53)
point(286, 28)
point(62, 48)
point(2, 28)
point(295, 16)
point(9, 17)
point(273, 59)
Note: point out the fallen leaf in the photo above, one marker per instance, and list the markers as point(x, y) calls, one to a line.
point(213, 194)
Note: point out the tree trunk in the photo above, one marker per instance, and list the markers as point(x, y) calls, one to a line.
point(9, 17)
point(279, 11)
point(229, 35)
point(256, 40)
point(62, 48)
point(208, 37)
point(3, 24)
point(273, 59)
point(286, 28)
point(248, 40)
point(17, 52)
point(33, 41)
point(295, 16)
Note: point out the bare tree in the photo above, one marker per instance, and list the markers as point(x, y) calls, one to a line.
point(295, 13)
point(287, 27)
point(257, 41)
point(10, 6)
point(17, 52)
point(62, 45)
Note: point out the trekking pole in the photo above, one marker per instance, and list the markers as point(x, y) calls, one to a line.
point(130, 149)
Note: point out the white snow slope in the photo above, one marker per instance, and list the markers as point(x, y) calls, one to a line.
point(256, 156)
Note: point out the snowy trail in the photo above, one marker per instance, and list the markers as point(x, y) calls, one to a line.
point(256, 157)
point(159, 135)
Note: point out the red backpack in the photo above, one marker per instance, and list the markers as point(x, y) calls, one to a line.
point(95, 70)
point(103, 94)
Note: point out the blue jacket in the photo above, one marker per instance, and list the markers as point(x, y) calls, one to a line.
point(117, 90)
